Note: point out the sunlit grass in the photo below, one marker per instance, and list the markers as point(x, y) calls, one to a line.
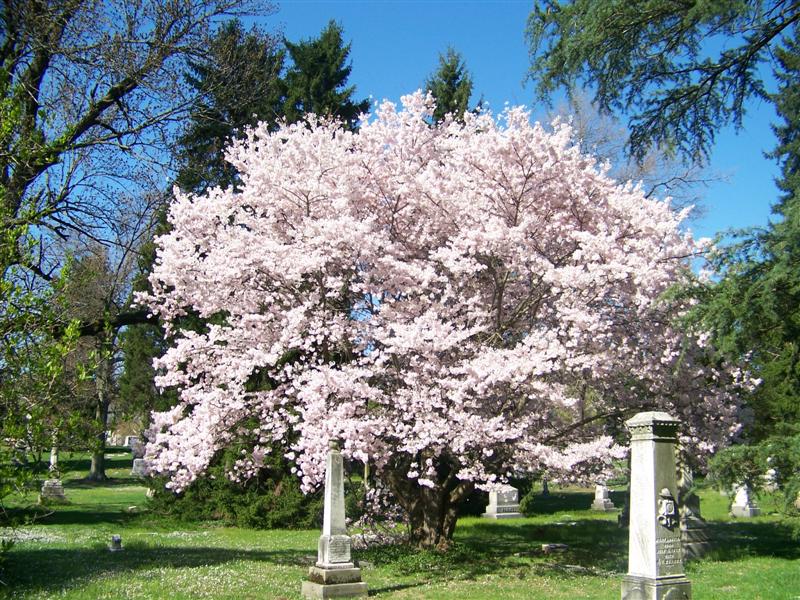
point(63, 553)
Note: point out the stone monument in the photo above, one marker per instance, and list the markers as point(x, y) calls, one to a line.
point(334, 575)
point(137, 447)
point(52, 491)
point(694, 529)
point(743, 504)
point(655, 554)
point(139, 469)
point(602, 501)
point(503, 504)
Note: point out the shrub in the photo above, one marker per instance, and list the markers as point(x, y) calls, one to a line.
point(271, 500)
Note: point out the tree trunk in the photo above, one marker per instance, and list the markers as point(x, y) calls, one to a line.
point(432, 512)
point(432, 521)
point(97, 471)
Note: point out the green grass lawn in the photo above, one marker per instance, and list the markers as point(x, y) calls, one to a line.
point(64, 554)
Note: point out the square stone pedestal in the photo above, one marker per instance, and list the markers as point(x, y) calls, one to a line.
point(334, 583)
point(663, 588)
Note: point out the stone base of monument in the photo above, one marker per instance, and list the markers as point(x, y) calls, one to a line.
point(604, 505)
point(749, 510)
point(675, 587)
point(53, 492)
point(503, 512)
point(341, 582)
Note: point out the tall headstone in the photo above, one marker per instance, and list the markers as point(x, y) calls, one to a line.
point(602, 500)
point(503, 504)
point(655, 554)
point(743, 503)
point(334, 575)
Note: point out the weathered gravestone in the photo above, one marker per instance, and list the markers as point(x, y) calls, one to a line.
point(602, 500)
point(334, 575)
point(503, 504)
point(137, 446)
point(139, 469)
point(743, 504)
point(52, 491)
point(771, 480)
point(655, 554)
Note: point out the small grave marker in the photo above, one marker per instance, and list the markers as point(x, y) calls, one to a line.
point(503, 504)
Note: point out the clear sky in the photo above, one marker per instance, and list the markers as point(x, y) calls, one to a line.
point(396, 44)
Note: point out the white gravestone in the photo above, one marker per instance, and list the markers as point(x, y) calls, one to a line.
point(771, 480)
point(503, 504)
point(655, 553)
point(602, 501)
point(137, 447)
point(139, 469)
point(334, 575)
point(743, 504)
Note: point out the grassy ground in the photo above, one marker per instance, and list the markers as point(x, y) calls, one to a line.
point(64, 554)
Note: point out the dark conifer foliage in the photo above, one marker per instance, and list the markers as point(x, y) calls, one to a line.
point(316, 82)
point(239, 84)
point(451, 85)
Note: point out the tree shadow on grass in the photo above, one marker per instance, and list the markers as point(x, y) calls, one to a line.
point(480, 549)
point(734, 540)
point(51, 569)
point(593, 547)
point(112, 482)
point(591, 543)
point(67, 514)
point(117, 460)
point(570, 501)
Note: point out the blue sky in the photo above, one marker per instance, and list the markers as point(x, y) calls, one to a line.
point(396, 44)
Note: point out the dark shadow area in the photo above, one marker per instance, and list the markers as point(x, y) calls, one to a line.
point(483, 549)
point(392, 588)
point(564, 502)
point(25, 567)
point(593, 544)
point(734, 540)
point(114, 460)
point(64, 515)
point(85, 484)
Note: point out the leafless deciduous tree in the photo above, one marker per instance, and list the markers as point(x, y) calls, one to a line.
point(92, 92)
point(660, 172)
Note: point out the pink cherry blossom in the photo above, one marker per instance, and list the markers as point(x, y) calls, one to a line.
point(479, 299)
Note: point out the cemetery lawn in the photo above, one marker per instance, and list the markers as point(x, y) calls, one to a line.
point(63, 553)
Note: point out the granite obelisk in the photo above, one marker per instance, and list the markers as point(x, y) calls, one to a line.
point(334, 575)
point(655, 553)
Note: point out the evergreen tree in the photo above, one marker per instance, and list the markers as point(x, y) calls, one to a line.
point(451, 86)
point(239, 84)
point(755, 308)
point(317, 80)
point(680, 70)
